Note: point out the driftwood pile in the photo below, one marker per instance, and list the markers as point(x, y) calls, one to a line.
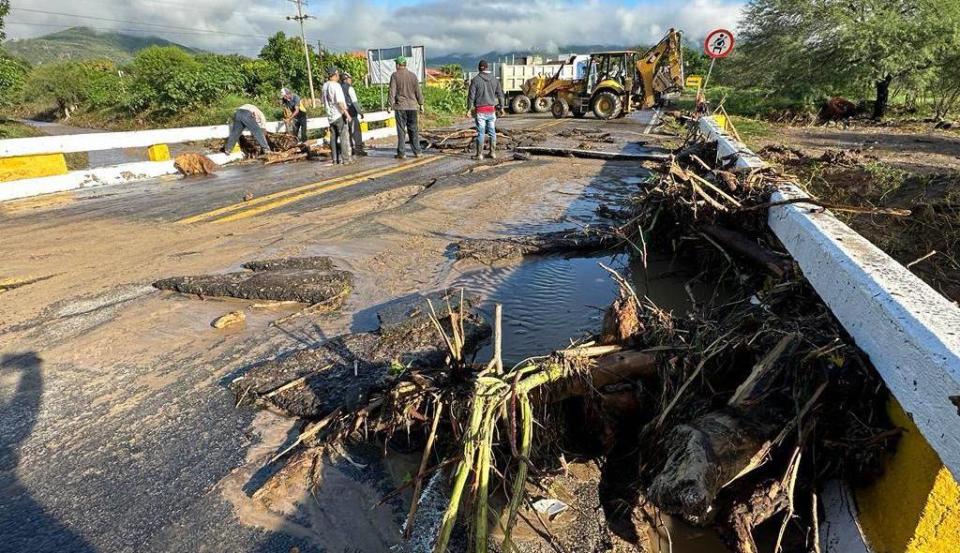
point(463, 139)
point(582, 240)
point(728, 415)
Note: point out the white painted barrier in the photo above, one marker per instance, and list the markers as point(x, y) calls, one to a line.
point(131, 172)
point(91, 142)
point(910, 332)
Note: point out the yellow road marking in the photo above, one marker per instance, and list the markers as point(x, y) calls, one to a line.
point(267, 197)
point(548, 124)
point(292, 198)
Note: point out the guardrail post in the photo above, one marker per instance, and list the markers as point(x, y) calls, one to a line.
point(364, 126)
point(391, 122)
point(915, 506)
point(32, 166)
point(158, 152)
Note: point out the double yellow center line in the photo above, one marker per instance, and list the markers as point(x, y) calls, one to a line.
point(276, 200)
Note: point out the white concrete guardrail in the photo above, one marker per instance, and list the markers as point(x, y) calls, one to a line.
point(35, 165)
point(911, 334)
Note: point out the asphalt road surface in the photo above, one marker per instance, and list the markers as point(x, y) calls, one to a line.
point(117, 431)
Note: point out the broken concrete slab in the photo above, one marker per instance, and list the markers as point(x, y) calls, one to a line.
point(306, 286)
point(318, 263)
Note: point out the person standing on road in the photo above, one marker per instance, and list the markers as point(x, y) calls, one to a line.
point(406, 99)
point(249, 117)
point(356, 114)
point(298, 113)
point(336, 105)
point(484, 99)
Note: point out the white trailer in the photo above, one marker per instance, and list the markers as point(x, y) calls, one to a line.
point(513, 75)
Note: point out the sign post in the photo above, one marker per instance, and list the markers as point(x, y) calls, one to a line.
point(718, 44)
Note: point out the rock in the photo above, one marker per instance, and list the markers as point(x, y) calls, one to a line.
point(194, 164)
point(230, 319)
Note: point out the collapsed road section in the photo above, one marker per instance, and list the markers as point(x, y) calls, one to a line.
point(732, 415)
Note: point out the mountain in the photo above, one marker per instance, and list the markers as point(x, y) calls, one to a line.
point(80, 43)
point(469, 61)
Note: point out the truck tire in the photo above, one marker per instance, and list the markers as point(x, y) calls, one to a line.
point(607, 105)
point(520, 104)
point(541, 105)
point(560, 108)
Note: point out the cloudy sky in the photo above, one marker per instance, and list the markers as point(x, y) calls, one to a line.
point(443, 26)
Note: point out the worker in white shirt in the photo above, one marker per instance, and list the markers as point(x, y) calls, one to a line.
point(356, 112)
point(335, 103)
point(249, 117)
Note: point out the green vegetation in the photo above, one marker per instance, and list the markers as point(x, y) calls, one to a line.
point(81, 43)
point(792, 55)
point(165, 85)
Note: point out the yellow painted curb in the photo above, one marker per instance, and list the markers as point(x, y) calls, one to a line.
point(32, 166)
point(158, 152)
point(915, 506)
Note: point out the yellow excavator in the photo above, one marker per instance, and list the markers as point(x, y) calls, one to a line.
point(616, 83)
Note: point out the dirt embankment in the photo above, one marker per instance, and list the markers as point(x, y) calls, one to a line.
point(907, 172)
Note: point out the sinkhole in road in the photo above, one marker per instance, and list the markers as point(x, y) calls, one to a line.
point(550, 300)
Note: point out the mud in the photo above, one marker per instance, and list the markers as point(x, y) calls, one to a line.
point(588, 239)
point(303, 286)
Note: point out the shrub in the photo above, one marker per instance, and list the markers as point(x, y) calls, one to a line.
point(13, 74)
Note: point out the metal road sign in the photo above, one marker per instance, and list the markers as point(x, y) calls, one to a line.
point(719, 43)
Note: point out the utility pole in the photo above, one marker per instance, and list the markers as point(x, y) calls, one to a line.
point(306, 51)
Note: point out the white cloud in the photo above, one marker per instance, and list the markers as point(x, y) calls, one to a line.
point(443, 26)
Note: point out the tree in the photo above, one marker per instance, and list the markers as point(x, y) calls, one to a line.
point(13, 74)
point(452, 70)
point(809, 46)
point(4, 9)
point(287, 54)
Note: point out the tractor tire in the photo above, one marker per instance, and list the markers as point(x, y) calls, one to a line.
point(541, 105)
point(607, 105)
point(520, 104)
point(560, 108)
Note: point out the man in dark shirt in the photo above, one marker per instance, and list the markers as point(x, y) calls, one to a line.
point(292, 102)
point(356, 112)
point(406, 99)
point(484, 99)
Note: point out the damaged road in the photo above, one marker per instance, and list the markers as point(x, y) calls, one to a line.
point(110, 402)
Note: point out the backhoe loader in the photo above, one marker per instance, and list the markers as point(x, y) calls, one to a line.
point(616, 82)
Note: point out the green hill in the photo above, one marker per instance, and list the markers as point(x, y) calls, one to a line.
point(80, 43)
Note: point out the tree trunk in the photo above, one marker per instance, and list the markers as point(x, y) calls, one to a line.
point(883, 97)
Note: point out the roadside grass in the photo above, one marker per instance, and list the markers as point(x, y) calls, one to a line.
point(14, 129)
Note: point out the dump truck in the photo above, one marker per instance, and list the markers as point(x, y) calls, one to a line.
point(514, 76)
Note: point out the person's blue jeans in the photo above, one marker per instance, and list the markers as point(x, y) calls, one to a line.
point(486, 123)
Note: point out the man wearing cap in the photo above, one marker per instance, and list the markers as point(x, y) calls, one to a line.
point(336, 105)
point(484, 99)
point(298, 114)
point(406, 99)
point(249, 117)
point(356, 114)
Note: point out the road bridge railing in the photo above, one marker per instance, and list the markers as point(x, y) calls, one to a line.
point(36, 165)
point(912, 335)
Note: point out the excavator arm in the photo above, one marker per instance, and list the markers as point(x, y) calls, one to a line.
point(660, 70)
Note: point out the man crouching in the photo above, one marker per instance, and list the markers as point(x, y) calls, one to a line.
point(484, 100)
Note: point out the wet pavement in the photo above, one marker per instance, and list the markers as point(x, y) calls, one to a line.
point(117, 432)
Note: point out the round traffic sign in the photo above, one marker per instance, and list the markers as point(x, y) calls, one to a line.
point(719, 43)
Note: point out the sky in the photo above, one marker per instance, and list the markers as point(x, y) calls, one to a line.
point(442, 26)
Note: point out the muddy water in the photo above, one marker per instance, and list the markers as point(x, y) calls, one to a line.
point(548, 301)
